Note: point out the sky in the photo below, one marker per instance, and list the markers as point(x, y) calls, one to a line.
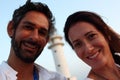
point(109, 10)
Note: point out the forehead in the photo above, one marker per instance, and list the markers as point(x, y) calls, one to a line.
point(37, 18)
point(80, 29)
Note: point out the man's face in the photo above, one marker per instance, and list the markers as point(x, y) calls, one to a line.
point(30, 36)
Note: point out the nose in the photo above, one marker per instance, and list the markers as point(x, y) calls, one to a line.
point(89, 47)
point(34, 35)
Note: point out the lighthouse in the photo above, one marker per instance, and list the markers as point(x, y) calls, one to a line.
point(56, 46)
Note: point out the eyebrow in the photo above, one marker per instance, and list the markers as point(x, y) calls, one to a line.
point(75, 40)
point(85, 35)
point(30, 23)
point(88, 33)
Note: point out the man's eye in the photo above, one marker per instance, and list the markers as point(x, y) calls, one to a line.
point(43, 32)
point(28, 27)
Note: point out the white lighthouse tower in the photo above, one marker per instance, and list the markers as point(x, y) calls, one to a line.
point(56, 45)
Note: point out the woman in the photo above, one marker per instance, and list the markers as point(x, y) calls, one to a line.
point(95, 43)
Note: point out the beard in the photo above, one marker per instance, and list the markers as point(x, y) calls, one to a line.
point(20, 53)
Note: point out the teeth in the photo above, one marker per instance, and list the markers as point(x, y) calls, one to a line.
point(30, 46)
point(93, 56)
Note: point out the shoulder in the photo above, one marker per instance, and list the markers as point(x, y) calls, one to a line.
point(6, 72)
point(5, 67)
point(49, 75)
point(3, 72)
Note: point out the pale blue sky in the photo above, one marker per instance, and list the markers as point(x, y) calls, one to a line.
point(108, 9)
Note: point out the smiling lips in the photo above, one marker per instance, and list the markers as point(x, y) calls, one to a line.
point(30, 47)
point(94, 55)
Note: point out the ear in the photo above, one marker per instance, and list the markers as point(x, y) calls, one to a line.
point(10, 29)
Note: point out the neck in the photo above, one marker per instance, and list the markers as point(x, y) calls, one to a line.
point(18, 65)
point(25, 70)
point(106, 73)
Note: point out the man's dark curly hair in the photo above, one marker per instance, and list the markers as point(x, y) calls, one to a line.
point(19, 13)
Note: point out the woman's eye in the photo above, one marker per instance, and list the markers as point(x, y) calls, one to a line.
point(77, 45)
point(92, 36)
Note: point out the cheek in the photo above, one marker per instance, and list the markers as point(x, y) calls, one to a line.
point(80, 53)
point(43, 41)
point(20, 34)
point(18, 38)
point(100, 43)
point(105, 46)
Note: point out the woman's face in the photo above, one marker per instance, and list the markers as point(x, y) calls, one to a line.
point(89, 44)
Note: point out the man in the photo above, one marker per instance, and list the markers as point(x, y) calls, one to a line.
point(29, 31)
